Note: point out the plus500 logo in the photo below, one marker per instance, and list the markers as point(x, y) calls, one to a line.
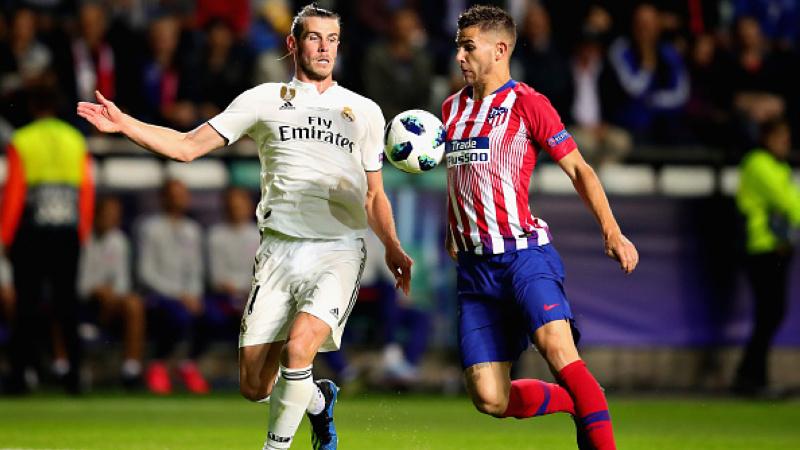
point(468, 151)
point(467, 157)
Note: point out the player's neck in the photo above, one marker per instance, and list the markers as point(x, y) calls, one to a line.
point(486, 87)
point(321, 85)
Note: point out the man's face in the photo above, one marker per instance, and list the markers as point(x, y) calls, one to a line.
point(476, 53)
point(108, 215)
point(176, 197)
point(315, 52)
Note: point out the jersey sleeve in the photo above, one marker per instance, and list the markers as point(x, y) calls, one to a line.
point(545, 128)
point(237, 118)
point(372, 148)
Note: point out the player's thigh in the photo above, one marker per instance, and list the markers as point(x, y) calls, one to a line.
point(258, 367)
point(306, 336)
point(488, 385)
point(331, 286)
point(556, 343)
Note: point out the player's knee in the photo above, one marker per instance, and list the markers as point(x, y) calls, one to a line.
point(253, 391)
point(297, 353)
point(493, 405)
point(492, 408)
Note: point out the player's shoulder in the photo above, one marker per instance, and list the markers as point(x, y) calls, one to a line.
point(526, 95)
point(263, 92)
point(357, 99)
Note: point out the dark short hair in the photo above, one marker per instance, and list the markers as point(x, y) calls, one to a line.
point(488, 18)
point(310, 10)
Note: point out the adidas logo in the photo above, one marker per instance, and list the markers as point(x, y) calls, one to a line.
point(287, 105)
point(335, 312)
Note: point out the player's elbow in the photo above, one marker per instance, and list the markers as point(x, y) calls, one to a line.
point(184, 156)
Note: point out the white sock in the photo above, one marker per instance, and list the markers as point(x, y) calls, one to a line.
point(317, 401)
point(290, 398)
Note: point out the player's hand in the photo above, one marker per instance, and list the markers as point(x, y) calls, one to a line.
point(622, 249)
point(399, 264)
point(105, 116)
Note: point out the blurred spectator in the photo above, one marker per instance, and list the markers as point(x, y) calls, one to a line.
point(8, 296)
point(171, 271)
point(92, 60)
point(708, 109)
point(223, 71)
point(48, 202)
point(232, 245)
point(235, 13)
point(403, 329)
point(397, 72)
point(543, 66)
point(269, 29)
point(649, 85)
point(778, 19)
point(104, 281)
point(599, 141)
point(770, 202)
point(759, 76)
point(24, 62)
point(164, 82)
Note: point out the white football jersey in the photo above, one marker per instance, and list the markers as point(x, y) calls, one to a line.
point(314, 150)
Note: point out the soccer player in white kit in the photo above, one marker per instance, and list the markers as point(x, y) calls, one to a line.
point(320, 147)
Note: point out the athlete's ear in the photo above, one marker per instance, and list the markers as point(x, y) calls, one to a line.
point(500, 50)
point(291, 44)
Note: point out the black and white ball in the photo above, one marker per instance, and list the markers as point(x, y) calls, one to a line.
point(414, 141)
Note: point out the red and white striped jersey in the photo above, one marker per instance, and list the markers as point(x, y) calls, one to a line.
point(492, 147)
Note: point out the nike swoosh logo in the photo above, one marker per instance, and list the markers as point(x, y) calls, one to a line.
point(549, 307)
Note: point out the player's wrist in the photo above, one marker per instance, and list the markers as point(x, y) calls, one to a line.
point(612, 234)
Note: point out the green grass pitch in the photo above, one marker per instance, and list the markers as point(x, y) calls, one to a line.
point(224, 421)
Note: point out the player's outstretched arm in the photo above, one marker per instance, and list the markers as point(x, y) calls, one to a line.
point(108, 118)
point(587, 184)
point(379, 215)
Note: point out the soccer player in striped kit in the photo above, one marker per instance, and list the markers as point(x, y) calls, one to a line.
point(510, 277)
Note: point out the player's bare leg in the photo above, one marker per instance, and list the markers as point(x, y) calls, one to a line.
point(488, 385)
point(555, 342)
point(295, 392)
point(258, 369)
point(492, 392)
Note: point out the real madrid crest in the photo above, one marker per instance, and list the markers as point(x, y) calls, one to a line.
point(287, 94)
point(347, 113)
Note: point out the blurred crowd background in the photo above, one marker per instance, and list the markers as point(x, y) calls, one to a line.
point(663, 97)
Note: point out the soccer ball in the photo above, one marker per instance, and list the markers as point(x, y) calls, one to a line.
point(414, 141)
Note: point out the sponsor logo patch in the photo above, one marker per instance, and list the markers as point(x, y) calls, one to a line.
point(467, 151)
point(558, 138)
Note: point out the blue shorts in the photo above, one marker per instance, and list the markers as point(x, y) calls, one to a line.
point(503, 299)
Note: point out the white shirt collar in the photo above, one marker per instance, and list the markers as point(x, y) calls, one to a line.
point(311, 87)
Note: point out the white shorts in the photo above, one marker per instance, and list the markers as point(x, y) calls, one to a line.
point(319, 277)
